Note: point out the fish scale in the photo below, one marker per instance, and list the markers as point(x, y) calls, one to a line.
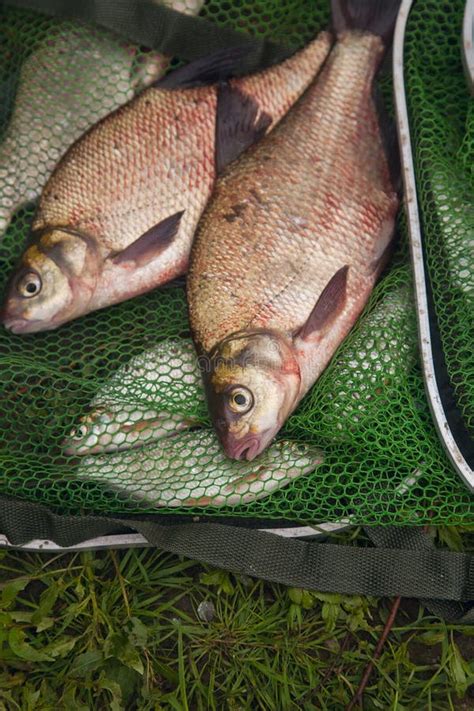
point(128, 163)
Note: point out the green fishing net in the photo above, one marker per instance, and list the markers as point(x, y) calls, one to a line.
point(107, 414)
point(442, 119)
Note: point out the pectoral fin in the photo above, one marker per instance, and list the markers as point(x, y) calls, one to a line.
point(330, 304)
point(151, 243)
point(240, 123)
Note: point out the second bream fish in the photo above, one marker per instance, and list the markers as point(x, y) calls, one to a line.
point(293, 241)
point(118, 215)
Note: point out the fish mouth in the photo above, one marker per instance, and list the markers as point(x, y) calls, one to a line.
point(245, 449)
point(22, 325)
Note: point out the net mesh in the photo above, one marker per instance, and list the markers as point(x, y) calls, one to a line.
point(88, 411)
point(443, 135)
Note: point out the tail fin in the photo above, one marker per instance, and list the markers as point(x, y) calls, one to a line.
point(375, 16)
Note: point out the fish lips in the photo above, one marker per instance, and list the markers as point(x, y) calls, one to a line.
point(13, 322)
point(247, 447)
point(19, 325)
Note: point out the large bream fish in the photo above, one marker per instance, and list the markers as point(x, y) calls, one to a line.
point(118, 214)
point(293, 241)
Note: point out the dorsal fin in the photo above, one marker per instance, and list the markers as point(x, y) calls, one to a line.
point(216, 67)
point(239, 124)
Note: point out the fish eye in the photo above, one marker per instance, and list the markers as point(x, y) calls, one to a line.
point(240, 400)
point(79, 433)
point(29, 285)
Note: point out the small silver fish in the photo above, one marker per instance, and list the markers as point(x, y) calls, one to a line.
point(54, 105)
point(370, 367)
point(154, 395)
point(113, 429)
point(453, 209)
point(191, 469)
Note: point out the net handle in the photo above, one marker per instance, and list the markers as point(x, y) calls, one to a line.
point(402, 562)
point(155, 26)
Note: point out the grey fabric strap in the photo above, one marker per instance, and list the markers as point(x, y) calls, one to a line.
point(405, 562)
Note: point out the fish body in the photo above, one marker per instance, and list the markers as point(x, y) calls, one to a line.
point(156, 394)
point(76, 77)
point(118, 214)
point(291, 245)
point(190, 469)
point(113, 428)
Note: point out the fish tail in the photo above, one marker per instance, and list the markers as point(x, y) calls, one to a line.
point(375, 16)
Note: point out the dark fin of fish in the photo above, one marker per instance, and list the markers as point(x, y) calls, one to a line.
point(328, 306)
point(239, 124)
point(378, 264)
point(375, 16)
point(151, 243)
point(218, 66)
point(388, 132)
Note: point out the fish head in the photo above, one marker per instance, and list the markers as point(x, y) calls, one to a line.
point(116, 426)
point(98, 431)
point(252, 383)
point(52, 284)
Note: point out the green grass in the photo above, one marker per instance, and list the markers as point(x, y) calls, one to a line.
point(121, 630)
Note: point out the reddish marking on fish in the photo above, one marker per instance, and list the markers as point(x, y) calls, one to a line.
point(201, 501)
point(241, 482)
point(141, 425)
point(370, 214)
point(291, 366)
point(331, 205)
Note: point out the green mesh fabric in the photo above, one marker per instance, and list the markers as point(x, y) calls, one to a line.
point(442, 117)
point(361, 446)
